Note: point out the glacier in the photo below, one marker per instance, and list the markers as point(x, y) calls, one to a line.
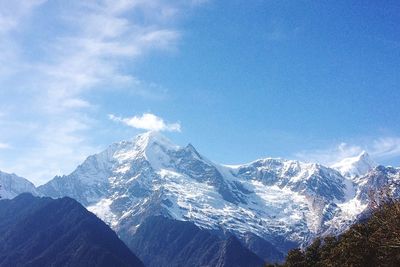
point(284, 202)
point(278, 200)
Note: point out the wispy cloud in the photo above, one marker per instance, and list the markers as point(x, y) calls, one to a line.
point(329, 155)
point(103, 39)
point(53, 56)
point(386, 147)
point(149, 122)
point(12, 12)
point(379, 149)
point(4, 146)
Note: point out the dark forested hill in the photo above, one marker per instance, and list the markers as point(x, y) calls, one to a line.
point(45, 232)
point(373, 242)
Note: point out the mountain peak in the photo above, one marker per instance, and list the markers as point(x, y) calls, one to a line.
point(145, 140)
point(154, 147)
point(12, 185)
point(355, 166)
point(364, 155)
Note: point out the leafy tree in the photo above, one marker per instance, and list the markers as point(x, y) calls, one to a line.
point(295, 258)
point(313, 253)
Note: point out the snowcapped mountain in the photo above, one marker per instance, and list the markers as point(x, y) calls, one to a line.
point(379, 180)
point(283, 202)
point(355, 166)
point(13, 185)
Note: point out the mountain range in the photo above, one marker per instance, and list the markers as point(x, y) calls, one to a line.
point(262, 208)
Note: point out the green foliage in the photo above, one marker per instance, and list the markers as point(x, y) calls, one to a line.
point(375, 242)
point(295, 258)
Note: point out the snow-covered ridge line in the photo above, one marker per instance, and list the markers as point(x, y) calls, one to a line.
point(273, 198)
point(13, 185)
point(355, 166)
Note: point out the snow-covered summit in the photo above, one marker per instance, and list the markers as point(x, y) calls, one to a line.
point(355, 166)
point(13, 185)
point(155, 148)
point(149, 176)
point(274, 199)
point(146, 140)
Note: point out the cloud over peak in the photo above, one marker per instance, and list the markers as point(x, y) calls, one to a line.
point(149, 122)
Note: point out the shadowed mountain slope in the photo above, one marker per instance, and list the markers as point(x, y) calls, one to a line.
point(45, 232)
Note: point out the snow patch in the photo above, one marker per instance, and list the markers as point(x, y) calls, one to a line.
point(355, 166)
point(102, 209)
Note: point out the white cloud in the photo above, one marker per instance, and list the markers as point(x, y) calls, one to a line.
point(386, 147)
point(11, 12)
point(330, 155)
point(4, 146)
point(75, 103)
point(149, 122)
point(103, 40)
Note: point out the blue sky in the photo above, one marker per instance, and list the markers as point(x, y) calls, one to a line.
point(240, 80)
